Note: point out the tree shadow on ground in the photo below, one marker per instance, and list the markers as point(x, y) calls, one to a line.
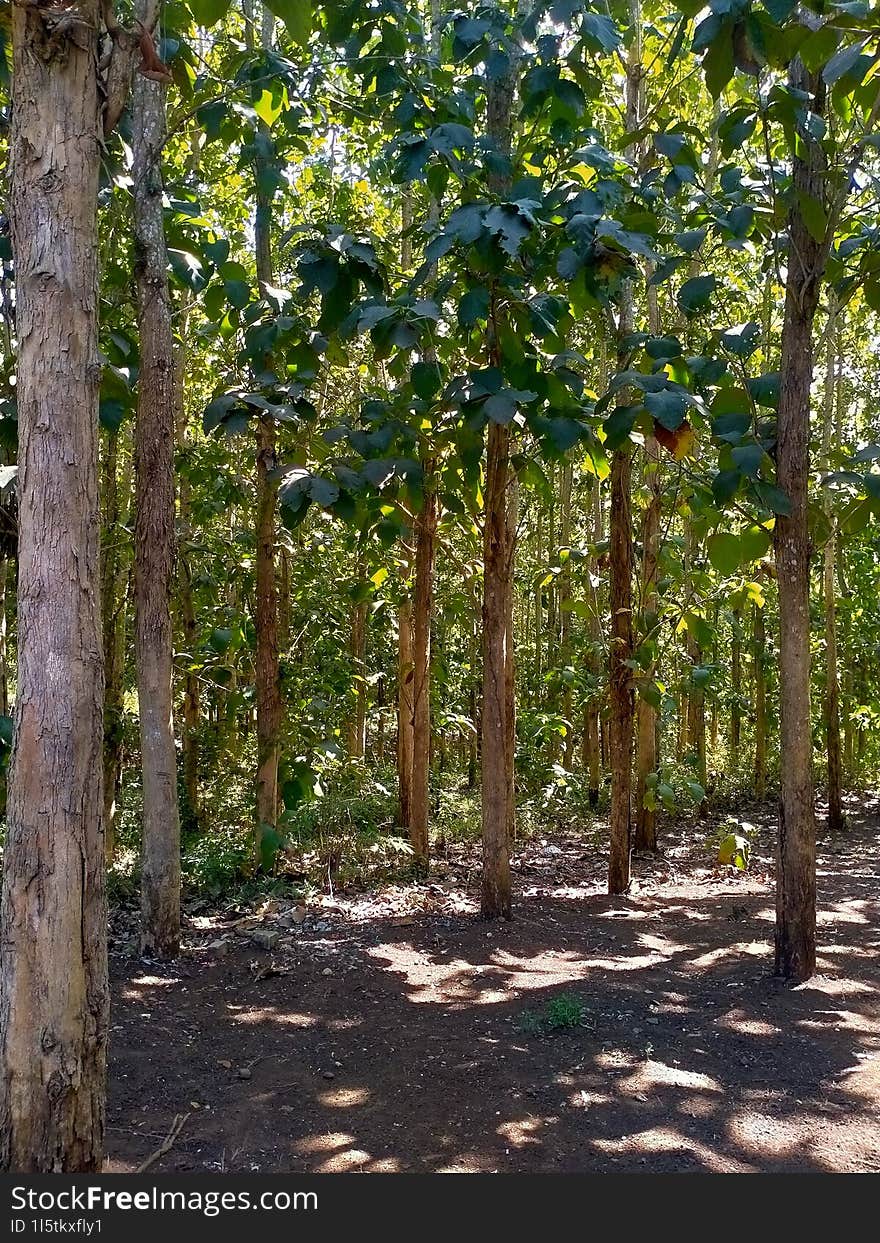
point(420, 1045)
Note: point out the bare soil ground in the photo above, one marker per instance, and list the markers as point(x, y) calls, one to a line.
point(393, 1031)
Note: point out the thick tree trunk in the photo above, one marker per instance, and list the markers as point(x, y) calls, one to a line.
point(154, 535)
point(796, 856)
point(423, 599)
point(53, 986)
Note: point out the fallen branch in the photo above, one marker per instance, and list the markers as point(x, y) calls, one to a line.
point(166, 1145)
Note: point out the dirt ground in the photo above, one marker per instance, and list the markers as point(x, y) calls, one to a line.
point(393, 1031)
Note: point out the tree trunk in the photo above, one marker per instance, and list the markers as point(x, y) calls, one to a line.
point(191, 693)
point(736, 692)
point(646, 714)
point(357, 725)
point(423, 599)
point(592, 748)
point(829, 574)
point(499, 539)
point(796, 855)
point(268, 679)
point(53, 986)
point(760, 641)
point(115, 576)
point(620, 685)
point(619, 673)
point(4, 651)
point(154, 534)
point(497, 794)
point(405, 709)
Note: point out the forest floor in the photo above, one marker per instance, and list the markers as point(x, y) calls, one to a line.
point(394, 1031)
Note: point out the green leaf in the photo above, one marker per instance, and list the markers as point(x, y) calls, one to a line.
point(774, 498)
point(296, 15)
point(667, 407)
point(696, 293)
point(748, 458)
point(845, 60)
point(814, 216)
point(724, 551)
point(473, 306)
point(208, 12)
point(427, 379)
point(755, 542)
point(765, 389)
point(742, 340)
point(718, 64)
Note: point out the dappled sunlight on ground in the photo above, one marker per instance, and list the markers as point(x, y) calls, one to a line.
point(410, 1036)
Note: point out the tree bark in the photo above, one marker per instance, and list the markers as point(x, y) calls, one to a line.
point(423, 601)
point(115, 579)
point(267, 673)
point(619, 673)
point(736, 692)
point(499, 539)
point(191, 693)
point(646, 715)
point(829, 575)
point(405, 709)
point(53, 985)
point(154, 535)
point(760, 642)
point(497, 792)
point(620, 686)
point(796, 854)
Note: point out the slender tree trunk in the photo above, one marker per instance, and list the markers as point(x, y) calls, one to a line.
point(760, 642)
point(268, 678)
point(619, 672)
point(796, 856)
point(736, 691)
point(497, 796)
point(191, 693)
point(4, 671)
point(592, 747)
point(53, 985)
point(115, 564)
point(357, 725)
point(499, 532)
point(405, 670)
point(423, 599)
point(473, 699)
point(620, 684)
point(646, 715)
point(829, 584)
point(154, 534)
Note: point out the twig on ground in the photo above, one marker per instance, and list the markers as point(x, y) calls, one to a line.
point(166, 1145)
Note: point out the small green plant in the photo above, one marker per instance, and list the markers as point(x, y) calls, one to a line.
point(560, 1013)
point(733, 843)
